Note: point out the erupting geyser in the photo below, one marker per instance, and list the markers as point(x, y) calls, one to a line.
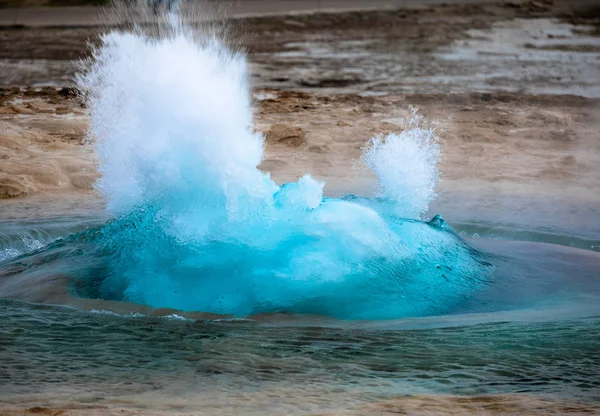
point(198, 227)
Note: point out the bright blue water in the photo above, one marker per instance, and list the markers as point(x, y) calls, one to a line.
point(416, 268)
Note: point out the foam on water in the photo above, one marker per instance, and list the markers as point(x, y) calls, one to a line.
point(198, 227)
point(22, 245)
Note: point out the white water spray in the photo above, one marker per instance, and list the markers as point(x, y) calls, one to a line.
point(405, 165)
point(201, 228)
point(171, 115)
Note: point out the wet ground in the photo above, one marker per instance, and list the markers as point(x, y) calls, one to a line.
point(530, 47)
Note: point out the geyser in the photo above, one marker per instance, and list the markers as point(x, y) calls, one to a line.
point(198, 227)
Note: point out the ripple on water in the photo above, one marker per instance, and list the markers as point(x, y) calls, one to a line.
point(53, 355)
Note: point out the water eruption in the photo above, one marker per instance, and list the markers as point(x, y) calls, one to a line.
point(197, 226)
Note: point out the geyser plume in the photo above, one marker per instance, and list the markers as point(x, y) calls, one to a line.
point(405, 165)
point(172, 116)
point(198, 227)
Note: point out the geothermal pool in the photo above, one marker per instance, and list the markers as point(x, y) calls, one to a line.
point(205, 286)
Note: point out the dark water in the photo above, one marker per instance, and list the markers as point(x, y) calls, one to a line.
point(44, 349)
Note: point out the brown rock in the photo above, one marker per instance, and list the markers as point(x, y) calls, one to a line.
point(40, 107)
point(63, 110)
point(7, 111)
point(20, 109)
point(285, 134)
point(10, 188)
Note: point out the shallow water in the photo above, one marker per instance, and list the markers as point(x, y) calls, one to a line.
point(52, 355)
point(536, 56)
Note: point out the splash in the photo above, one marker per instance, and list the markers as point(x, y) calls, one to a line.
point(198, 227)
point(405, 165)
